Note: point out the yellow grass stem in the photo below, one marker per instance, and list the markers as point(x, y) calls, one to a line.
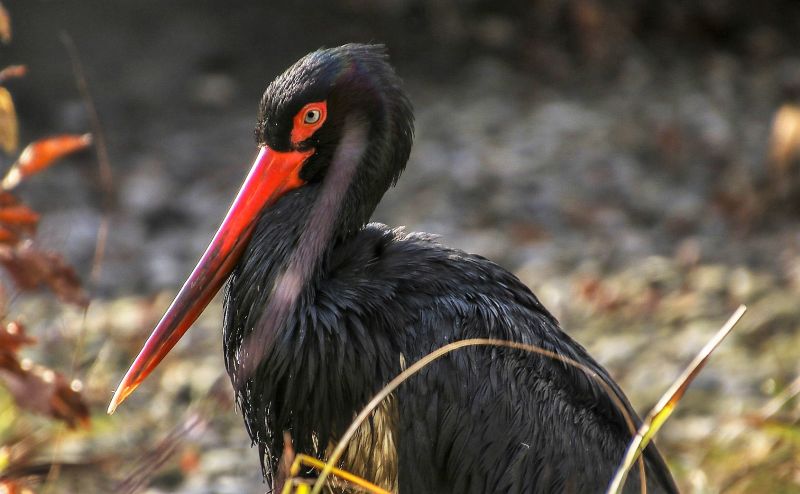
point(435, 355)
point(665, 406)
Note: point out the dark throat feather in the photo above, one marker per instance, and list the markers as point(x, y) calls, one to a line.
point(274, 282)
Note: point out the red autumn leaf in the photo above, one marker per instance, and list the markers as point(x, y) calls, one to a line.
point(7, 236)
point(14, 486)
point(8, 199)
point(189, 461)
point(19, 216)
point(16, 219)
point(31, 269)
point(41, 154)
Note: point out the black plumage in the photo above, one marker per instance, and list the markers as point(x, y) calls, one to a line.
point(323, 309)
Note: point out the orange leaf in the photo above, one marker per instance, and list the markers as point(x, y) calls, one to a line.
point(7, 199)
point(189, 461)
point(13, 72)
point(7, 237)
point(9, 127)
point(41, 154)
point(13, 486)
point(785, 139)
point(15, 219)
point(19, 215)
point(5, 25)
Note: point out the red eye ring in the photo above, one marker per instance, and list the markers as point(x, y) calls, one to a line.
point(308, 120)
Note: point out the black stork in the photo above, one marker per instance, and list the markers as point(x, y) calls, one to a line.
point(322, 309)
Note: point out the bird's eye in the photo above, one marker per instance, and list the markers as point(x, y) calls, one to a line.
point(312, 116)
point(308, 120)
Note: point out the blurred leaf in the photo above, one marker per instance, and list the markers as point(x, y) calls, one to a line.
point(5, 25)
point(595, 291)
point(20, 217)
point(13, 487)
point(38, 388)
point(785, 430)
point(13, 336)
point(190, 460)
point(8, 199)
point(12, 72)
point(44, 391)
point(785, 138)
point(39, 155)
point(9, 127)
point(16, 219)
point(31, 268)
point(7, 236)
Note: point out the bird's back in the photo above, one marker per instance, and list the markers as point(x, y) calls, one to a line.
point(483, 419)
point(479, 420)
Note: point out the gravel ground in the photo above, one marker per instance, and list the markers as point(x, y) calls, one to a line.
point(635, 201)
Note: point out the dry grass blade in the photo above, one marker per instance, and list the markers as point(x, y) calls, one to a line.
point(666, 405)
point(437, 354)
point(354, 481)
point(9, 127)
point(781, 399)
point(194, 425)
point(152, 459)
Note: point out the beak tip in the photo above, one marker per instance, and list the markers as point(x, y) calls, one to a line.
point(112, 407)
point(122, 392)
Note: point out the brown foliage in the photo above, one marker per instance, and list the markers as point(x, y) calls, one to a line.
point(32, 268)
point(36, 388)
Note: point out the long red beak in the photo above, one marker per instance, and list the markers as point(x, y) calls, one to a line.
point(272, 175)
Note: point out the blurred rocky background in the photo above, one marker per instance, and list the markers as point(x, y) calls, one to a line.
point(636, 163)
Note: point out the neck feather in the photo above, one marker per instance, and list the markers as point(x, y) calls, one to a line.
point(300, 263)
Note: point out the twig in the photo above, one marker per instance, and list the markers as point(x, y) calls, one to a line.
point(101, 150)
point(154, 458)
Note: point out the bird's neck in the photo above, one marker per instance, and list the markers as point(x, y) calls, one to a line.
point(277, 273)
point(286, 254)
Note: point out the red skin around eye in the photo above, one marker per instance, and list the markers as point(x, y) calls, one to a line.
point(301, 130)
